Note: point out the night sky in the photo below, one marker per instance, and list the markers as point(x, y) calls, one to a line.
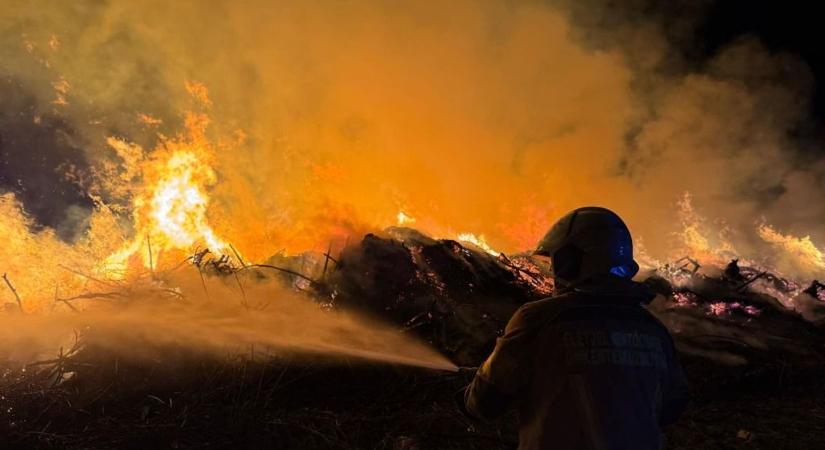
point(794, 27)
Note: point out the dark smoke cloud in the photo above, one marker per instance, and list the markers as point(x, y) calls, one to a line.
point(41, 160)
point(72, 75)
point(730, 120)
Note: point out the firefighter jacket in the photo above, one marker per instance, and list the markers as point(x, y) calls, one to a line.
point(589, 368)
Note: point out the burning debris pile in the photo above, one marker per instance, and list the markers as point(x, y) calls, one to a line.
point(739, 316)
point(732, 325)
point(456, 296)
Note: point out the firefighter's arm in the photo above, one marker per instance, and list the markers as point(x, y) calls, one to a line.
point(506, 371)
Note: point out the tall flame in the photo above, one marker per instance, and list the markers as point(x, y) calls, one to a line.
point(170, 210)
point(699, 239)
point(799, 254)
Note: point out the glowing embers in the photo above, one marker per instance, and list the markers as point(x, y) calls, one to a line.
point(721, 309)
point(716, 308)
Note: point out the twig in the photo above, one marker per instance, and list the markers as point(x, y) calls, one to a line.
point(58, 299)
point(92, 295)
point(203, 282)
point(690, 261)
point(243, 292)
point(291, 272)
point(107, 283)
point(14, 291)
point(73, 308)
point(326, 260)
point(181, 264)
point(151, 261)
point(55, 297)
point(173, 292)
point(237, 255)
point(755, 277)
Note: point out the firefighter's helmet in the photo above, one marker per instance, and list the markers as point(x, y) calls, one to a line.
point(589, 241)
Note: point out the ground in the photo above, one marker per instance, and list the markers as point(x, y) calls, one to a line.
point(201, 402)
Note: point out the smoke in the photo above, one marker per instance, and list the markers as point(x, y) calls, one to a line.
point(39, 159)
point(730, 125)
point(492, 117)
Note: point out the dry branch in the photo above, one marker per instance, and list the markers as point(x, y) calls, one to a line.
point(151, 261)
point(312, 282)
point(237, 255)
point(326, 260)
point(97, 280)
point(755, 277)
point(67, 303)
point(14, 291)
point(92, 296)
point(203, 282)
point(243, 291)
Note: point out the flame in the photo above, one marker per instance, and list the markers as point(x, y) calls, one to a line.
point(179, 201)
point(799, 254)
point(40, 265)
point(697, 237)
point(478, 241)
point(199, 92)
point(61, 91)
point(149, 120)
point(170, 212)
point(403, 219)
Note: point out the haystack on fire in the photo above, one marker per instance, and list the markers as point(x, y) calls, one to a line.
point(195, 213)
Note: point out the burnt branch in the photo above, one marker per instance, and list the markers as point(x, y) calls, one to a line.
point(14, 291)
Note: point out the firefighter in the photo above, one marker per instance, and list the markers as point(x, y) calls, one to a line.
point(590, 367)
